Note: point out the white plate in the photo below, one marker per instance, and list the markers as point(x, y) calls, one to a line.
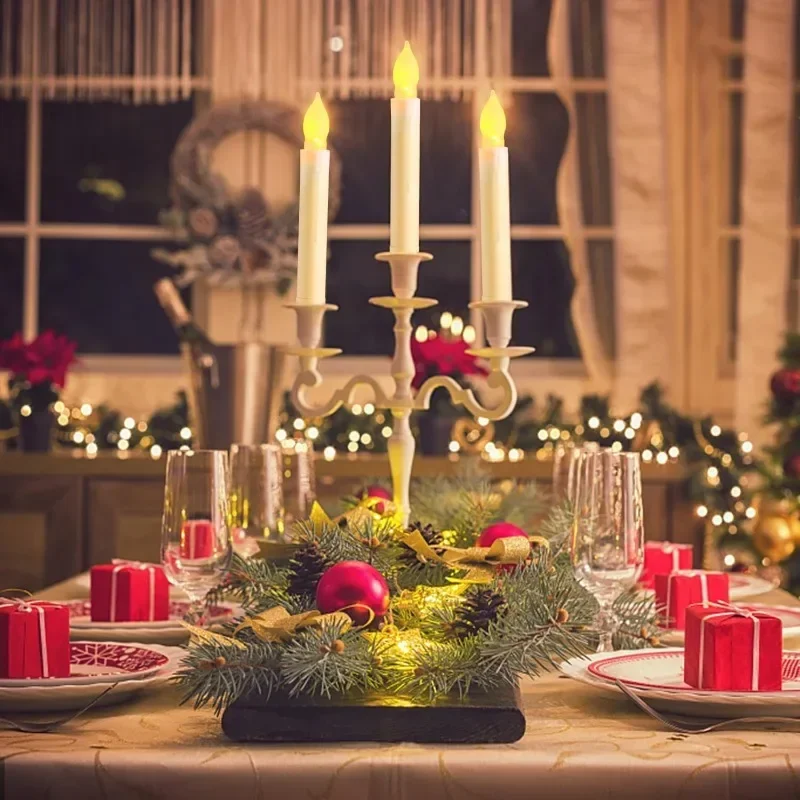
point(72, 697)
point(80, 616)
point(788, 615)
point(100, 662)
point(694, 702)
point(743, 585)
point(168, 632)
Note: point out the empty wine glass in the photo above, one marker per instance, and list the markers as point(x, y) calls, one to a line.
point(299, 488)
point(256, 494)
point(195, 528)
point(607, 546)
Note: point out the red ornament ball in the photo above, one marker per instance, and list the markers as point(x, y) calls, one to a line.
point(785, 383)
point(378, 492)
point(353, 583)
point(791, 467)
point(500, 530)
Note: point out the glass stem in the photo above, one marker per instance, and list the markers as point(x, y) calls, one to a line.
point(196, 615)
point(606, 624)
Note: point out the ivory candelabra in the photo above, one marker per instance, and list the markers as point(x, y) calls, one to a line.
point(404, 268)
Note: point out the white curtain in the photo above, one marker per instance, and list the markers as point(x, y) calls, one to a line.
point(767, 172)
point(594, 350)
point(638, 118)
point(140, 50)
point(288, 49)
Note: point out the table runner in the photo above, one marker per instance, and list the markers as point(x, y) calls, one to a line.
point(580, 743)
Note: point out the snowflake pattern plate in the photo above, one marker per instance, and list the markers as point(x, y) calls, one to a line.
point(100, 662)
point(35, 696)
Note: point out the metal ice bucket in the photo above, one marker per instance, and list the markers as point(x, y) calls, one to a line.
point(237, 398)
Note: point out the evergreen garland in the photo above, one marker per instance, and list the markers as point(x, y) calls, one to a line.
point(441, 634)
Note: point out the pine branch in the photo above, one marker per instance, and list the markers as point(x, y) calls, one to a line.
point(257, 585)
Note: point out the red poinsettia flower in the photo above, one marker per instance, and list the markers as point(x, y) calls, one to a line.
point(443, 356)
point(44, 360)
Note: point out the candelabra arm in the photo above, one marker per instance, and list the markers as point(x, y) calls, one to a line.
point(311, 378)
point(463, 396)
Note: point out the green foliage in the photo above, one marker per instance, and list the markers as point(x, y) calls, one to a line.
point(521, 623)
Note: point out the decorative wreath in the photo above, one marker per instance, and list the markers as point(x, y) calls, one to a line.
point(234, 237)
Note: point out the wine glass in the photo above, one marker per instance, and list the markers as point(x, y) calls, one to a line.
point(299, 489)
point(256, 494)
point(607, 546)
point(195, 527)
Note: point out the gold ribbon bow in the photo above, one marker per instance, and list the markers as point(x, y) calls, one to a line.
point(478, 561)
point(354, 516)
point(277, 624)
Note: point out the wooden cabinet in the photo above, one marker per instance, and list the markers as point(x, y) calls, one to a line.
point(41, 530)
point(60, 514)
point(124, 519)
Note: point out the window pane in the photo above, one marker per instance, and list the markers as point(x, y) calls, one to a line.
point(735, 129)
point(536, 137)
point(587, 38)
point(354, 276)
point(108, 162)
point(595, 175)
point(542, 276)
point(529, 26)
point(361, 133)
point(13, 153)
point(12, 254)
point(100, 293)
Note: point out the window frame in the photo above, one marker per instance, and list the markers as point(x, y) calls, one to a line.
point(33, 230)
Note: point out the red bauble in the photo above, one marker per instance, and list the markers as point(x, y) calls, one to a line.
point(791, 467)
point(353, 583)
point(785, 383)
point(500, 530)
point(380, 492)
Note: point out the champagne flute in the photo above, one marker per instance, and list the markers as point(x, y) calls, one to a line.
point(195, 533)
point(607, 546)
point(299, 488)
point(256, 495)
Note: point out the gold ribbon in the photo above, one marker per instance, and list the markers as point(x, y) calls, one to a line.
point(478, 561)
point(278, 625)
point(354, 516)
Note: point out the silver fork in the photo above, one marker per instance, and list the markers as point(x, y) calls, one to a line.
point(51, 725)
point(699, 727)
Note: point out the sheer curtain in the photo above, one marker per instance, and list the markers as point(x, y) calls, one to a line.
point(766, 206)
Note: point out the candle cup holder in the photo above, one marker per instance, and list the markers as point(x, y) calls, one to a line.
point(403, 303)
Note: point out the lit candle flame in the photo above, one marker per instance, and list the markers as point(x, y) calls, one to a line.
point(493, 123)
point(406, 73)
point(316, 125)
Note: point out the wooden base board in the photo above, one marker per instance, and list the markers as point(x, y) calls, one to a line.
point(480, 717)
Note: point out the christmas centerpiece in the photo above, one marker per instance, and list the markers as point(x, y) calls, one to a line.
point(372, 623)
point(37, 371)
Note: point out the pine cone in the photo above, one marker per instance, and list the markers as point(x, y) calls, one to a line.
point(252, 217)
point(480, 609)
point(306, 567)
point(429, 534)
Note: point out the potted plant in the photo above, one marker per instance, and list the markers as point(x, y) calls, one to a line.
point(37, 371)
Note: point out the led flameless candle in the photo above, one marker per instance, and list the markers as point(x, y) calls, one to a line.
point(495, 215)
point(404, 198)
point(312, 240)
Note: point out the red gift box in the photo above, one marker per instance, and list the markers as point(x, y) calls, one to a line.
point(661, 558)
point(197, 539)
point(129, 591)
point(676, 591)
point(729, 648)
point(34, 639)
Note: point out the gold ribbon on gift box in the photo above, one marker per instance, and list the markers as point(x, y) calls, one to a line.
point(478, 561)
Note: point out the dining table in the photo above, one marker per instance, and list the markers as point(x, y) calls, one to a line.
point(580, 742)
